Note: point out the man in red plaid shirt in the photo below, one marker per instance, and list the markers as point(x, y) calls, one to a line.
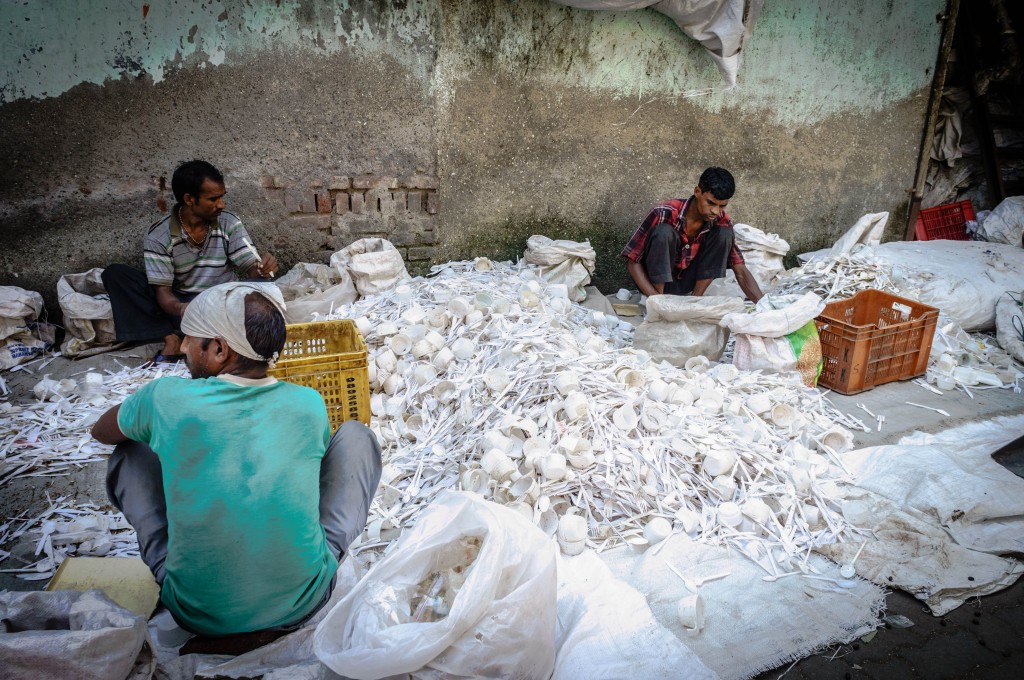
point(683, 245)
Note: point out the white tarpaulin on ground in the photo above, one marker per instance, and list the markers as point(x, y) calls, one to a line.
point(941, 511)
point(721, 26)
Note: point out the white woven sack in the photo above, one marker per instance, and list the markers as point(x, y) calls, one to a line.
point(374, 264)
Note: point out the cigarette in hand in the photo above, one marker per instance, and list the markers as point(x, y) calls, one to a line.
point(255, 253)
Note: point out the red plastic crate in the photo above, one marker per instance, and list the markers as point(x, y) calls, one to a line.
point(947, 222)
point(873, 338)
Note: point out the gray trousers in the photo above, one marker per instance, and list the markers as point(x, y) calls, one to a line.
point(349, 474)
point(664, 250)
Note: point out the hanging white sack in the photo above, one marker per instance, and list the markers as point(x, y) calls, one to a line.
point(374, 264)
point(762, 253)
point(500, 622)
point(88, 319)
point(310, 289)
point(1010, 324)
point(18, 309)
point(779, 335)
point(1005, 224)
point(721, 26)
point(565, 262)
point(679, 327)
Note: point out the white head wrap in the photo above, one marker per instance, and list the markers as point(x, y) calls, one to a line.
point(220, 312)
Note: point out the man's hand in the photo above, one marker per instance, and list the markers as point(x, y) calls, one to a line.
point(643, 284)
point(106, 430)
point(266, 268)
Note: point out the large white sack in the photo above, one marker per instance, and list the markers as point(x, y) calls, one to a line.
point(1010, 324)
point(66, 634)
point(18, 341)
point(679, 327)
point(88, 318)
point(565, 262)
point(1005, 224)
point(311, 289)
point(762, 336)
point(762, 253)
point(502, 620)
point(374, 264)
point(963, 279)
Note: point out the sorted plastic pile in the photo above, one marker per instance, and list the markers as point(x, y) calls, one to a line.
point(485, 377)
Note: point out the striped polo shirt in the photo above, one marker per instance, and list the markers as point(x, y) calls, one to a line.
point(172, 261)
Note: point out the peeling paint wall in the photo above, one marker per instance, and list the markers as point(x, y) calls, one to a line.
point(453, 127)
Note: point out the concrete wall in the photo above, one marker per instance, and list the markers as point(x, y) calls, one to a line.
point(454, 128)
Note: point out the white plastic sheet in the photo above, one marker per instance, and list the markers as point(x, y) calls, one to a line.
point(941, 511)
point(1005, 224)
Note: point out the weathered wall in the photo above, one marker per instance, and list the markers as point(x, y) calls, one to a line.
point(453, 127)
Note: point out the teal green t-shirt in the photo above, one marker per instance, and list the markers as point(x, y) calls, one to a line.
point(241, 471)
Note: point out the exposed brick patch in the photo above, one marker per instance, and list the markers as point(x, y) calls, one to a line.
point(420, 253)
point(399, 200)
point(341, 203)
point(428, 237)
point(293, 200)
point(415, 202)
point(267, 182)
point(313, 221)
point(404, 238)
point(432, 206)
point(358, 207)
point(324, 202)
point(340, 183)
point(281, 183)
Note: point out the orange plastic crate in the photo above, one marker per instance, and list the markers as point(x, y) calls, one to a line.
point(873, 338)
point(947, 222)
point(330, 357)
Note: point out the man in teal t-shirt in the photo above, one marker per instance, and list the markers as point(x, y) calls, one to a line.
point(242, 499)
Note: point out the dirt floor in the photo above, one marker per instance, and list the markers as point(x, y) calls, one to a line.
point(982, 639)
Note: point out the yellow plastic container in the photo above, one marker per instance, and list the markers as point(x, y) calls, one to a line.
point(330, 357)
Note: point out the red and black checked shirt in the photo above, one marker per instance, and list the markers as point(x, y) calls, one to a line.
point(674, 212)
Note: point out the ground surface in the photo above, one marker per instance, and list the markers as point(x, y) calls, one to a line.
point(982, 639)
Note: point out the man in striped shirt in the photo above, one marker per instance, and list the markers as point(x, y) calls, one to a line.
point(197, 246)
point(683, 245)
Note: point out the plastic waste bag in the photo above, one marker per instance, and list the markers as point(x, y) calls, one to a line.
point(566, 262)
point(469, 592)
point(762, 253)
point(374, 264)
point(67, 634)
point(1005, 224)
point(1010, 324)
point(311, 289)
point(779, 335)
point(19, 342)
point(88, 319)
point(679, 327)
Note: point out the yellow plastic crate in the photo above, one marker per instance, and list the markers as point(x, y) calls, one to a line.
point(330, 357)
